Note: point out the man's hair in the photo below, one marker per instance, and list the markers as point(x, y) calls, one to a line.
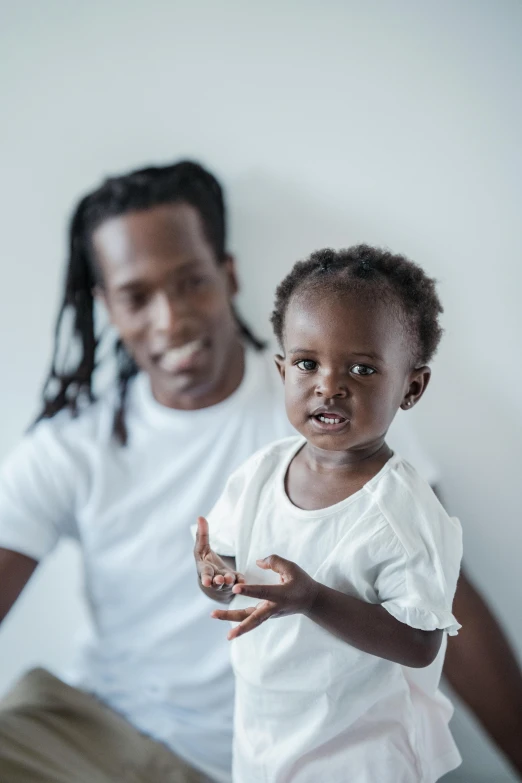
point(184, 182)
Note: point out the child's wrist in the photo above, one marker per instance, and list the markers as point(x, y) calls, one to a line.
point(315, 599)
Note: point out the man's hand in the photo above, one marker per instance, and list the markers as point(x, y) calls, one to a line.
point(214, 573)
point(295, 594)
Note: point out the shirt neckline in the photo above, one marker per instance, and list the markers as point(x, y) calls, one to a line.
point(316, 513)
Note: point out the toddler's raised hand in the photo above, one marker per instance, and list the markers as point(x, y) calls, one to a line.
point(294, 595)
point(214, 573)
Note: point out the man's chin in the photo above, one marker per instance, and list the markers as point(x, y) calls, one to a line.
point(181, 389)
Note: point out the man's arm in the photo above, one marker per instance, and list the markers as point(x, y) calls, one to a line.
point(482, 668)
point(15, 571)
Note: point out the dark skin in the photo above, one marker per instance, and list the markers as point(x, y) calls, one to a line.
point(217, 574)
point(15, 571)
point(482, 654)
point(165, 291)
point(347, 368)
point(480, 647)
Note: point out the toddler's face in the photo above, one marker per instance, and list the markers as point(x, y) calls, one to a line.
point(346, 368)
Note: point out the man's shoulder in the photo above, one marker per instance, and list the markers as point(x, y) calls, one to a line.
point(92, 422)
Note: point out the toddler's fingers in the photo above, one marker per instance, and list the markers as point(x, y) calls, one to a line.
point(275, 563)
point(202, 544)
point(230, 578)
point(219, 580)
point(206, 573)
point(232, 615)
point(266, 592)
point(258, 614)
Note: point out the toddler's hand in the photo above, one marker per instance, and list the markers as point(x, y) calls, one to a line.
point(294, 595)
point(212, 570)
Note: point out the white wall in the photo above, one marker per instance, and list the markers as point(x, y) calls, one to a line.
point(396, 123)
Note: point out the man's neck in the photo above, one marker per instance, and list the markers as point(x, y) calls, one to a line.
point(205, 397)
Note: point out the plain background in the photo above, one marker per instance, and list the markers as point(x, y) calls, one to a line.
point(395, 123)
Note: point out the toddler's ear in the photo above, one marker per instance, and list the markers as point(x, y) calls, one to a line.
point(280, 364)
point(418, 381)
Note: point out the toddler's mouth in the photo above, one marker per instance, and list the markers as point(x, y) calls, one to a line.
point(329, 420)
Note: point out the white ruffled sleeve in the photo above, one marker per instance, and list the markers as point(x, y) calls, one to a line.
point(418, 580)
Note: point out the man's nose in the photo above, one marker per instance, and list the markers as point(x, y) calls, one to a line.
point(166, 311)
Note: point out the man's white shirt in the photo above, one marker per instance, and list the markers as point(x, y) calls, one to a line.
point(152, 652)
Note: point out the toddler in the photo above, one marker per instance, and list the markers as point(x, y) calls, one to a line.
point(351, 557)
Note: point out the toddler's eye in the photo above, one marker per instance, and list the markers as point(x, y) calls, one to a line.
point(362, 369)
point(307, 365)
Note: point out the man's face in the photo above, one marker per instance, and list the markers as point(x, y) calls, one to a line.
point(169, 298)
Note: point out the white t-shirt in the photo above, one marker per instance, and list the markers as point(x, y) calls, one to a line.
point(309, 706)
point(153, 653)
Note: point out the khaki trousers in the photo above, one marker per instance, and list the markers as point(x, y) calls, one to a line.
point(52, 733)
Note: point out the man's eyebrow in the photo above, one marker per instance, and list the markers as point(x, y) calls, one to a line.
point(130, 285)
point(187, 266)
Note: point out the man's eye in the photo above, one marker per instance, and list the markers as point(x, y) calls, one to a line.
point(134, 300)
point(307, 365)
point(194, 283)
point(362, 369)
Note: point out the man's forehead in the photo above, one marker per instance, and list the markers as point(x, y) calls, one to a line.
point(164, 228)
point(147, 244)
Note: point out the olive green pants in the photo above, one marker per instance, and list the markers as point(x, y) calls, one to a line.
point(52, 733)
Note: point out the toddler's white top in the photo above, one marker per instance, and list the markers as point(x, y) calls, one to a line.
point(310, 707)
